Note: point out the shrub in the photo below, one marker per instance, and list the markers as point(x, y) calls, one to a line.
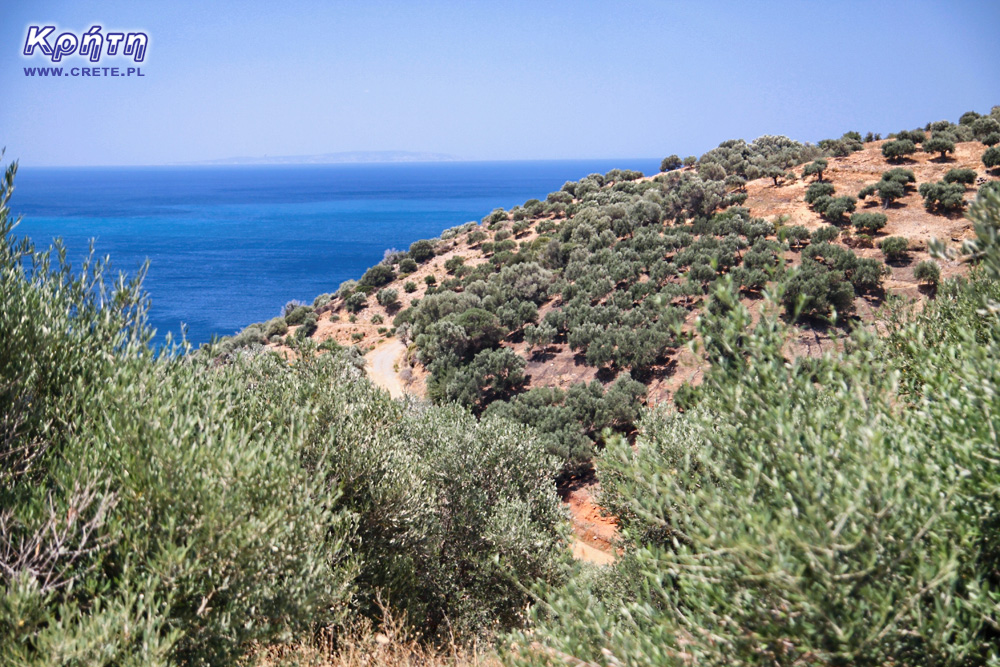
point(914, 136)
point(795, 235)
point(891, 186)
point(992, 139)
point(897, 149)
point(421, 251)
point(357, 336)
point(496, 216)
point(452, 264)
point(409, 287)
point(927, 272)
point(378, 275)
point(816, 167)
point(387, 297)
point(430, 279)
point(143, 510)
point(894, 247)
point(869, 222)
point(277, 326)
point(939, 144)
point(991, 157)
point(490, 375)
point(690, 161)
point(356, 302)
point(307, 327)
point(407, 265)
point(818, 190)
point(814, 290)
point(965, 176)
point(824, 234)
point(985, 126)
point(477, 236)
point(346, 289)
point(836, 208)
point(297, 315)
point(868, 274)
point(377, 319)
point(943, 196)
point(771, 495)
point(670, 163)
point(321, 300)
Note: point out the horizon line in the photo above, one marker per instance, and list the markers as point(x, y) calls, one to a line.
point(213, 163)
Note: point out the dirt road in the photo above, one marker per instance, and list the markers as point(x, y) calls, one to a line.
point(382, 364)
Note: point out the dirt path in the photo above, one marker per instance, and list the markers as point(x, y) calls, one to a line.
point(594, 533)
point(382, 364)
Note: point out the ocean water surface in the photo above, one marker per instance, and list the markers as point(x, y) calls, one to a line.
point(228, 246)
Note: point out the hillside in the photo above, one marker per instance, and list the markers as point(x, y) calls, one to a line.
point(541, 311)
point(559, 366)
point(571, 314)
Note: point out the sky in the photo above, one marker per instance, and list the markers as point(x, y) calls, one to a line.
point(489, 80)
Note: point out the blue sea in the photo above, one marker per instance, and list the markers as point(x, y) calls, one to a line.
point(231, 245)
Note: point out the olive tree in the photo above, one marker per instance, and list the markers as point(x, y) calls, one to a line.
point(897, 149)
point(940, 145)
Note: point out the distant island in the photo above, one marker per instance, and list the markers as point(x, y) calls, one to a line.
point(349, 157)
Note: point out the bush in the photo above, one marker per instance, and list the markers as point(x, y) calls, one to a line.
point(869, 222)
point(297, 315)
point(277, 326)
point(491, 374)
point(142, 510)
point(378, 275)
point(307, 327)
point(836, 208)
point(896, 150)
point(346, 289)
point(356, 302)
point(430, 279)
point(453, 264)
point(943, 196)
point(409, 287)
point(914, 136)
point(939, 144)
point(816, 167)
point(377, 319)
point(421, 251)
point(670, 163)
point(818, 190)
point(991, 157)
point(984, 127)
point(891, 186)
point(927, 272)
point(322, 300)
point(965, 176)
point(894, 247)
point(816, 291)
point(498, 215)
point(868, 275)
point(759, 528)
point(387, 298)
point(407, 265)
point(824, 234)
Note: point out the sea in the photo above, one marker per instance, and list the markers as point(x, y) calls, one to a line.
point(231, 245)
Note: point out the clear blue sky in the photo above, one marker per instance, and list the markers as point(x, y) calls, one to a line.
point(492, 80)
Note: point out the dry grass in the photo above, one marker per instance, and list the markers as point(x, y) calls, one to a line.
point(391, 645)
